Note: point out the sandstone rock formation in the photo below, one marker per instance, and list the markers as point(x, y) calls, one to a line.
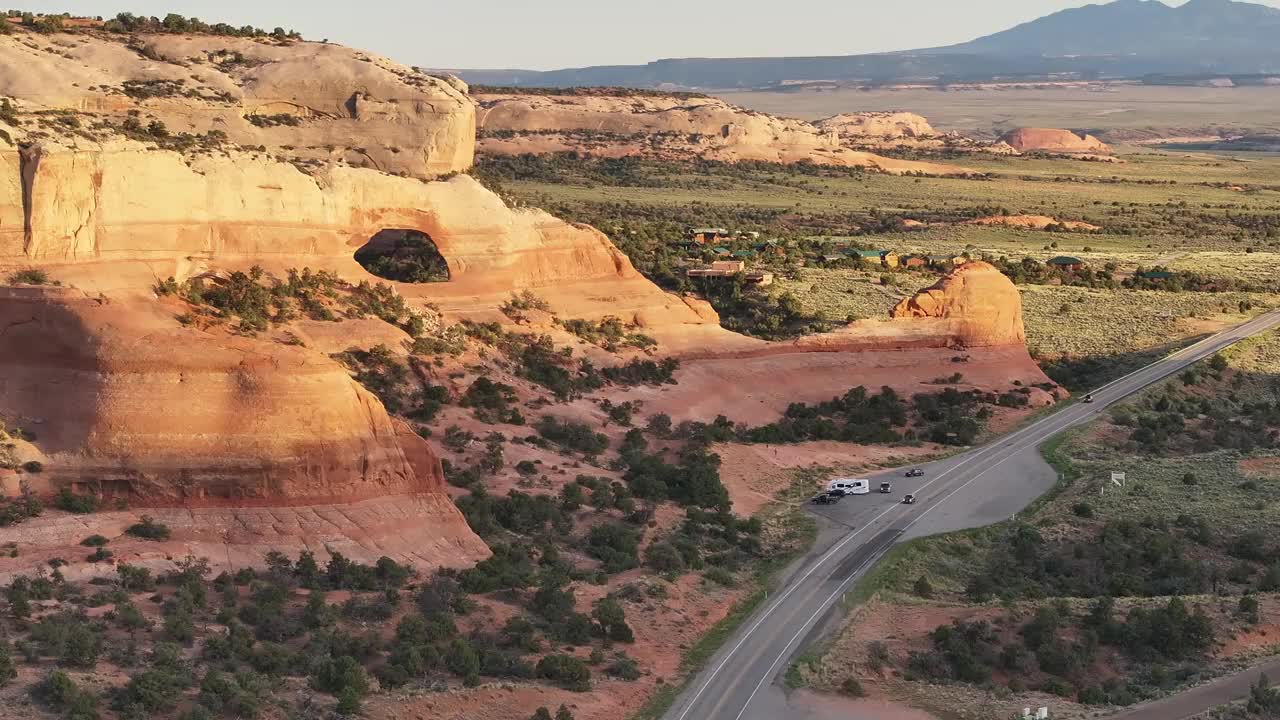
point(306, 101)
point(126, 403)
point(242, 443)
point(977, 303)
point(1054, 141)
point(884, 125)
point(1034, 222)
point(674, 127)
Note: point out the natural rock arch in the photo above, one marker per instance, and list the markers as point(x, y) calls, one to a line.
point(404, 255)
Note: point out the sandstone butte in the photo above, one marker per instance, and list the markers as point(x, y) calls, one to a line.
point(1053, 140)
point(243, 444)
point(673, 127)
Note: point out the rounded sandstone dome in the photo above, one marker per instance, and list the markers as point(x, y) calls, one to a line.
point(1053, 140)
point(983, 305)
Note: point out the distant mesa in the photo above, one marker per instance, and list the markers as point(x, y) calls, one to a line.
point(1053, 140)
point(680, 126)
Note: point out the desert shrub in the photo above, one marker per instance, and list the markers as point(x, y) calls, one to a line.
point(571, 435)
point(492, 402)
point(566, 671)
point(30, 276)
point(94, 541)
point(616, 545)
point(148, 529)
point(612, 620)
point(852, 687)
point(334, 675)
point(73, 503)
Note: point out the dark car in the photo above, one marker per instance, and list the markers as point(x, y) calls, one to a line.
point(909, 500)
point(886, 487)
point(915, 472)
point(825, 499)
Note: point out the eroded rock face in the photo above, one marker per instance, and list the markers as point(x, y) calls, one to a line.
point(119, 217)
point(977, 303)
point(134, 405)
point(312, 102)
point(666, 127)
point(879, 125)
point(262, 445)
point(1053, 140)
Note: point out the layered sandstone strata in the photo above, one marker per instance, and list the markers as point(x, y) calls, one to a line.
point(675, 127)
point(125, 403)
point(307, 101)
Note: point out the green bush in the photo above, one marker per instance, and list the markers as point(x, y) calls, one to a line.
point(567, 671)
point(79, 504)
point(149, 529)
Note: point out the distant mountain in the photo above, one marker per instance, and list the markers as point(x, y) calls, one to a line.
point(1122, 39)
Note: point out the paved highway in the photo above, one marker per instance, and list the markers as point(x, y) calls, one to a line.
point(976, 488)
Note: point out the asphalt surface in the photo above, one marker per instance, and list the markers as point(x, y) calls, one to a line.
point(978, 487)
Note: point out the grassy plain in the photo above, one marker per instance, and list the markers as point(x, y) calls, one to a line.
point(989, 111)
point(1213, 513)
point(1210, 214)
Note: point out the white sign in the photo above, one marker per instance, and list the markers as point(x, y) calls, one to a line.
point(1117, 479)
point(1042, 714)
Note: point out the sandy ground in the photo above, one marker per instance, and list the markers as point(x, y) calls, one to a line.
point(754, 474)
point(755, 390)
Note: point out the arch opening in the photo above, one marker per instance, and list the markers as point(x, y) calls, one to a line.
point(407, 256)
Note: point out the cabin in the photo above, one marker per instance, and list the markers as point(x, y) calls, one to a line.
point(945, 262)
point(771, 248)
point(719, 268)
point(1065, 262)
point(914, 261)
point(758, 277)
point(703, 236)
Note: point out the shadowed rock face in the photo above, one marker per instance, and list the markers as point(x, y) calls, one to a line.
point(127, 404)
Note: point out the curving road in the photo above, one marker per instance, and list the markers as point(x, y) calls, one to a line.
point(979, 487)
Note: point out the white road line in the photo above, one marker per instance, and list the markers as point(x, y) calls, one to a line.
point(1002, 444)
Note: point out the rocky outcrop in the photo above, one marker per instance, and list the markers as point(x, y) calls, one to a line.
point(879, 125)
point(975, 304)
point(127, 404)
point(117, 217)
point(1034, 222)
point(305, 101)
point(1053, 141)
point(674, 127)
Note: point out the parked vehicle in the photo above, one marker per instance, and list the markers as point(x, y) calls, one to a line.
point(825, 499)
point(886, 487)
point(849, 486)
point(915, 472)
point(909, 500)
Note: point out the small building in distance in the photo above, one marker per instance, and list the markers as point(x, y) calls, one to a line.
point(886, 258)
point(946, 262)
point(758, 277)
point(719, 268)
point(914, 261)
point(1065, 262)
point(702, 236)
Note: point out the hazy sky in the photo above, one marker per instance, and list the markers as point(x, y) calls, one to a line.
point(546, 34)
